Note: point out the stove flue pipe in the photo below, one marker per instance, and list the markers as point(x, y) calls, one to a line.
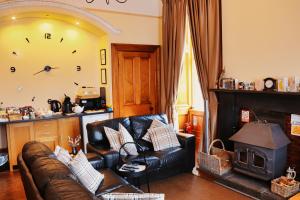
point(206, 138)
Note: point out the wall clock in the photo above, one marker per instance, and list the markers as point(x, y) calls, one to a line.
point(46, 68)
point(46, 58)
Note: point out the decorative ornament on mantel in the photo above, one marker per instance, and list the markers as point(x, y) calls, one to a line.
point(107, 1)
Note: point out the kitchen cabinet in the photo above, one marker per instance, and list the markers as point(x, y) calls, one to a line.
point(47, 133)
point(68, 127)
point(52, 132)
point(17, 135)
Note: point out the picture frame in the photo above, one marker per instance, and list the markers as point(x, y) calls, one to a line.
point(103, 76)
point(103, 56)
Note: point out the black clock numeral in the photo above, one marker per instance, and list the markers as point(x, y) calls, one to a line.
point(14, 53)
point(78, 68)
point(74, 51)
point(12, 69)
point(48, 36)
point(61, 40)
point(27, 40)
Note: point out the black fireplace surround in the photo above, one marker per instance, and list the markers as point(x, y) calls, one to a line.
point(275, 107)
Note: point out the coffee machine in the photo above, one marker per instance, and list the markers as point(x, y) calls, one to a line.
point(94, 102)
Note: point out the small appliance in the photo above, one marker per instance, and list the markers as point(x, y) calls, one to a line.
point(92, 103)
point(67, 105)
point(55, 105)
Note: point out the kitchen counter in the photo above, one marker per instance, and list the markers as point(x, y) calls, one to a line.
point(56, 116)
point(51, 131)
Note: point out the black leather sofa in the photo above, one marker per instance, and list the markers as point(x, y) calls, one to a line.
point(162, 164)
point(44, 177)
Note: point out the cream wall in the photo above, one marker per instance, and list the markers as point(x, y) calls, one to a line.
point(261, 38)
point(135, 29)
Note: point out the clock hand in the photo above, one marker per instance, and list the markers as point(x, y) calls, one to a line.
point(38, 72)
point(46, 69)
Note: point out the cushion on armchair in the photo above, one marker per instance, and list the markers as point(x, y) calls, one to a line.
point(126, 137)
point(163, 137)
point(155, 124)
point(140, 126)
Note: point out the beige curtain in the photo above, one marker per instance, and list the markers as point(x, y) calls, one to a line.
point(206, 30)
point(174, 18)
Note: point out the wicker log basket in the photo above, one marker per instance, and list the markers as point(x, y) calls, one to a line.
point(284, 187)
point(217, 161)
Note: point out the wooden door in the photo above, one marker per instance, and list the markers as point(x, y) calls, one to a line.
point(47, 133)
point(18, 134)
point(135, 79)
point(68, 127)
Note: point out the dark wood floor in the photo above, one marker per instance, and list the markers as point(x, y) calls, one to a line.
point(183, 186)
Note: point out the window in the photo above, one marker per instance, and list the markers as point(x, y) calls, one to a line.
point(189, 90)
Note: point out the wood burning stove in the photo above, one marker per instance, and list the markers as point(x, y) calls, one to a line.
point(260, 150)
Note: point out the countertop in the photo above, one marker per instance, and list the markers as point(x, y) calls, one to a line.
point(56, 116)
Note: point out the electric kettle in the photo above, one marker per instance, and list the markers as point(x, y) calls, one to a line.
point(55, 105)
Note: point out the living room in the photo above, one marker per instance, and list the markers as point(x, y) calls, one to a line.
point(183, 73)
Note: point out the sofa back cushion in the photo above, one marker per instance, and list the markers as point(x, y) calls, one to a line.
point(96, 133)
point(33, 150)
point(45, 169)
point(66, 189)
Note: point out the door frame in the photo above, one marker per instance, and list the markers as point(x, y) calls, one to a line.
point(115, 48)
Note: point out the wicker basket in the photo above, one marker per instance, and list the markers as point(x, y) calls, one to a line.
point(214, 164)
point(284, 190)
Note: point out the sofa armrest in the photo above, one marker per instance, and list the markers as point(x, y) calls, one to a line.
point(186, 139)
point(187, 142)
point(111, 157)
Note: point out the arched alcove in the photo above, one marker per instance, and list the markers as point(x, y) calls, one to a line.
point(75, 39)
point(41, 8)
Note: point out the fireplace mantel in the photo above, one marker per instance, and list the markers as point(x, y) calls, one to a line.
point(274, 107)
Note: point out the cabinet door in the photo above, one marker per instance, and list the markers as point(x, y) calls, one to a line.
point(17, 135)
point(68, 127)
point(47, 132)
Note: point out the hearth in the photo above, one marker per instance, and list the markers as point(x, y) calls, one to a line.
point(260, 150)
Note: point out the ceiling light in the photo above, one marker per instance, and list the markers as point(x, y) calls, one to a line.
point(107, 1)
point(77, 23)
point(13, 18)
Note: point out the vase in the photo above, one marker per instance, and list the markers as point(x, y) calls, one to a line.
point(74, 150)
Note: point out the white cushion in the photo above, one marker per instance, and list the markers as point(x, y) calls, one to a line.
point(133, 196)
point(155, 124)
point(126, 137)
point(113, 137)
point(84, 171)
point(163, 137)
point(62, 155)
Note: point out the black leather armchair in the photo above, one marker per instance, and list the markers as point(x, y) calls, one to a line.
point(161, 163)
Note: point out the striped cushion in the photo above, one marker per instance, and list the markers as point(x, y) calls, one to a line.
point(126, 137)
point(113, 137)
point(86, 174)
point(163, 137)
point(133, 196)
point(62, 155)
point(155, 124)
